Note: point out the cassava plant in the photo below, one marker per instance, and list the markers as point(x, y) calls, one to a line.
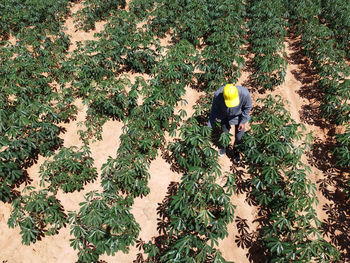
point(70, 169)
point(104, 224)
point(336, 15)
point(342, 149)
point(31, 105)
point(30, 109)
point(214, 26)
point(194, 148)
point(38, 214)
point(100, 66)
point(145, 128)
point(327, 59)
point(31, 17)
point(342, 153)
point(223, 39)
point(267, 29)
point(280, 184)
point(94, 11)
point(200, 210)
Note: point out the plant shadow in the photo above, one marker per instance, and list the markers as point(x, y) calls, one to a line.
point(28, 162)
point(251, 81)
point(162, 240)
point(307, 76)
point(336, 226)
point(246, 238)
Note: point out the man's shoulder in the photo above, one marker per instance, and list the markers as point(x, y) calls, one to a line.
point(220, 90)
point(243, 90)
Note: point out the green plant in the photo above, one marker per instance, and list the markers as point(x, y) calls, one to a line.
point(223, 39)
point(145, 127)
point(32, 16)
point(280, 184)
point(94, 11)
point(30, 109)
point(69, 170)
point(199, 211)
point(327, 59)
point(103, 224)
point(216, 27)
point(100, 66)
point(342, 149)
point(37, 214)
point(194, 149)
point(267, 29)
point(342, 153)
point(336, 15)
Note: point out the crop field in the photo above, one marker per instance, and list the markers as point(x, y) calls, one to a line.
point(105, 152)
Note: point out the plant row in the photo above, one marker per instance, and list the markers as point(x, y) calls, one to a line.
point(324, 40)
point(267, 29)
point(196, 215)
point(32, 19)
point(199, 211)
point(327, 59)
point(336, 15)
point(122, 47)
point(214, 27)
point(143, 133)
point(341, 152)
point(106, 97)
point(95, 11)
point(34, 100)
point(144, 127)
point(279, 184)
point(101, 65)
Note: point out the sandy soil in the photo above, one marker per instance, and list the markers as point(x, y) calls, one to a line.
point(57, 249)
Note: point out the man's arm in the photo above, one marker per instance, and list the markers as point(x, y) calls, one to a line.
point(246, 108)
point(213, 112)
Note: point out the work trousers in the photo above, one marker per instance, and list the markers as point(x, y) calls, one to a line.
point(225, 127)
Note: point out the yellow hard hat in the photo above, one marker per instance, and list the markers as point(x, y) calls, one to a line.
point(231, 95)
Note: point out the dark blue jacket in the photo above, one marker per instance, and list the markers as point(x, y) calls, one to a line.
point(235, 115)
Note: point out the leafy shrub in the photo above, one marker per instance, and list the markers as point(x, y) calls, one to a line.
point(70, 170)
point(32, 15)
point(224, 36)
point(103, 224)
point(194, 148)
point(336, 15)
point(144, 130)
point(29, 110)
point(199, 211)
point(342, 153)
point(38, 214)
point(342, 149)
point(279, 183)
point(267, 30)
point(217, 26)
point(327, 59)
point(96, 10)
point(121, 47)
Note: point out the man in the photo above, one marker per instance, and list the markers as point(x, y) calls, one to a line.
point(231, 106)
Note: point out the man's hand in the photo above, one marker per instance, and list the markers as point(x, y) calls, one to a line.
point(241, 126)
